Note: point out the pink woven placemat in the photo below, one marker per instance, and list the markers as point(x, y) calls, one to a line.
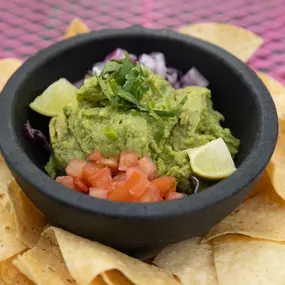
point(29, 25)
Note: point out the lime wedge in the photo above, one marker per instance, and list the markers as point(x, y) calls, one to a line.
point(58, 95)
point(212, 160)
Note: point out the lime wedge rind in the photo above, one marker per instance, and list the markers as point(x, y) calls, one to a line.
point(59, 94)
point(212, 161)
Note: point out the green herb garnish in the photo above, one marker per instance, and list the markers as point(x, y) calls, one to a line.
point(124, 82)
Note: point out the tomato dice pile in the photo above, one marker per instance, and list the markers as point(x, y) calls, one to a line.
point(128, 180)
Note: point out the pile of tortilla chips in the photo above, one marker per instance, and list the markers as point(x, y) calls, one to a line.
point(247, 247)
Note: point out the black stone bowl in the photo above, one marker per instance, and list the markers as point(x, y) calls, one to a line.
point(237, 93)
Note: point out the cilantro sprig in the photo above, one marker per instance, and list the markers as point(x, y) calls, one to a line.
point(122, 83)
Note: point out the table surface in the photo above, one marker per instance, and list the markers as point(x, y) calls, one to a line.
point(29, 25)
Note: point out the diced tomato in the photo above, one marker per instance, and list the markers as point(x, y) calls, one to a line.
point(98, 193)
point(152, 194)
point(121, 176)
point(114, 186)
point(174, 196)
point(130, 171)
point(136, 182)
point(127, 160)
point(80, 184)
point(148, 167)
point(75, 167)
point(109, 162)
point(67, 181)
point(95, 155)
point(89, 169)
point(120, 193)
point(165, 184)
point(102, 179)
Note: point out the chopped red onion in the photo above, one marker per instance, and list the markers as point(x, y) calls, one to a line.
point(119, 54)
point(79, 83)
point(156, 62)
point(36, 136)
point(195, 182)
point(177, 85)
point(171, 75)
point(194, 77)
point(147, 61)
point(160, 64)
point(98, 68)
point(116, 54)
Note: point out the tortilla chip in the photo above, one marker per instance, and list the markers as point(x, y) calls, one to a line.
point(9, 244)
point(242, 260)
point(44, 264)
point(11, 275)
point(92, 258)
point(5, 177)
point(276, 168)
point(115, 277)
point(261, 216)
point(97, 281)
point(2, 282)
point(191, 261)
point(76, 27)
point(4, 200)
point(277, 91)
point(237, 41)
point(29, 221)
point(7, 67)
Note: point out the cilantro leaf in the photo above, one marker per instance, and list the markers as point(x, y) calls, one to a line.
point(110, 67)
point(124, 83)
point(106, 88)
point(183, 101)
point(121, 73)
point(126, 95)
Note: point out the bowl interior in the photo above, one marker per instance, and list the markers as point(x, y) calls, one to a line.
point(230, 95)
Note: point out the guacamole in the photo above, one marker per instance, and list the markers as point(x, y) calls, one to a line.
point(129, 108)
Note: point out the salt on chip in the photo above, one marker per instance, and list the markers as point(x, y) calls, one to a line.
point(29, 221)
point(277, 91)
point(237, 41)
point(44, 264)
point(11, 275)
point(93, 258)
point(261, 216)
point(7, 67)
point(241, 260)
point(191, 261)
point(75, 28)
point(9, 244)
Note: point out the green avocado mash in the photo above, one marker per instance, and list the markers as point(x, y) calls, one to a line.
point(130, 108)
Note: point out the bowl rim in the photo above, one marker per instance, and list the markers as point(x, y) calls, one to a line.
point(249, 170)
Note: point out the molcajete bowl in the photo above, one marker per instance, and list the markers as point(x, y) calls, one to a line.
point(236, 92)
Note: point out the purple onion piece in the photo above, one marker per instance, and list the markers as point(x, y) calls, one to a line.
point(160, 64)
point(194, 180)
point(194, 77)
point(172, 76)
point(79, 83)
point(177, 85)
point(147, 61)
point(98, 68)
point(116, 54)
point(133, 58)
point(36, 136)
point(156, 62)
point(119, 54)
